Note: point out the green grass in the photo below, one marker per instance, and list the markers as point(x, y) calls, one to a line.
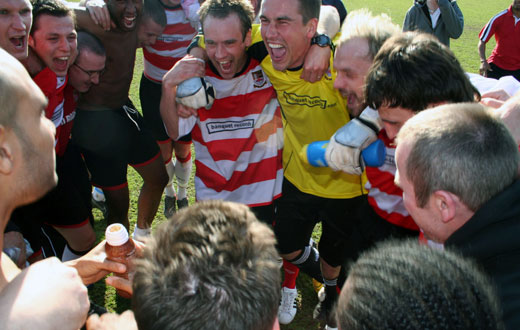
point(476, 14)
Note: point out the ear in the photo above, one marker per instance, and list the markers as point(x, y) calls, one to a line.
point(312, 27)
point(446, 204)
point(247, 39)
point(31, 41)
point(6, 156)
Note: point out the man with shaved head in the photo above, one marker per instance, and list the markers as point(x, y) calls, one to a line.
point(48, 294)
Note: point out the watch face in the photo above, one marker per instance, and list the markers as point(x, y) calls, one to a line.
point(322, 40)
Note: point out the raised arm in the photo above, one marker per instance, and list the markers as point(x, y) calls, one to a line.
point(452, 17)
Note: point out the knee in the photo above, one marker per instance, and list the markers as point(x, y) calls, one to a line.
point(87, 241)
point(159, 180)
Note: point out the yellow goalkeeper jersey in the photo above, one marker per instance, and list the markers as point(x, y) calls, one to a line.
point(311, 112)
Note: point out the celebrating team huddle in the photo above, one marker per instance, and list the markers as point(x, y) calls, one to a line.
point(251, 97)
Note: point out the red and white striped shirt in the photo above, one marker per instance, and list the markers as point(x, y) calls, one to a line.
point(383, 195)
point(170, 46)
point(239, 141)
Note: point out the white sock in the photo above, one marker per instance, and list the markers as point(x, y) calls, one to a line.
point(141, 234)
point(182, 173)
point(170, 169)
point(68, 254)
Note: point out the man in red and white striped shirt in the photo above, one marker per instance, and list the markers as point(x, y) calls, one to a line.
point(160, 57)
point(239, 140)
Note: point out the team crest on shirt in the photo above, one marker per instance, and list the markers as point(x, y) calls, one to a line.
point(258, 78)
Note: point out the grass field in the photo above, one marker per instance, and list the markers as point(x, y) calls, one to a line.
point(476, 14)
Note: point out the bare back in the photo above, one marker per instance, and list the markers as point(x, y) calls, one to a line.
point(114, 84)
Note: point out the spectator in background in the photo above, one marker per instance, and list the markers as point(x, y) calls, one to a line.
point(442, 18)
point(458, 168)
point(402, 285)
point(505, 58)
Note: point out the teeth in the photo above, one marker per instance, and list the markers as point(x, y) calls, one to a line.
point(130, 18)
point(275, 45)
point(224, 62)
point(65, 58)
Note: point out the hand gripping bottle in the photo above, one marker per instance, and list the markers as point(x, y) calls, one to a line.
point(314, 154)
point(120, 248)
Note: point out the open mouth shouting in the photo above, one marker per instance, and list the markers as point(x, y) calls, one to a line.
point(19, 42)
point(225, 66)
point(61, 64)
point(129, 21)
point(277, 51)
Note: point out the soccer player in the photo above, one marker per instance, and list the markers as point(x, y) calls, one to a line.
point(239, 140)
point(53, 49)
point(120, 137)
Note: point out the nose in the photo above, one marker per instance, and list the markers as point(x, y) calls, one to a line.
point(391, 130)
point(64, 45)
point(95, 78)
point(18, 23)
point(340, 81)
point(270, 30)
point(220, 51)
point(130, 7)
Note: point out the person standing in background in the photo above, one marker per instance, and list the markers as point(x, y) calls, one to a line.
point(442, 18)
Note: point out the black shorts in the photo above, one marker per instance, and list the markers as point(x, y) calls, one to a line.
point(297, 214)
point(68, 205)
point(498, 72)
point(110, 140)
point(265, 214)
point(150, 96)
point(369, 229)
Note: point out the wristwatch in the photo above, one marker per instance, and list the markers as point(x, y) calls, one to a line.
point(322, 40)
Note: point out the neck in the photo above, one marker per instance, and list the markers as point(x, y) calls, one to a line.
point(33, 64)
point(298, 64)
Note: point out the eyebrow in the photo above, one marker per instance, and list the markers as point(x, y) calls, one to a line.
point(280, 18)
point(284, 18)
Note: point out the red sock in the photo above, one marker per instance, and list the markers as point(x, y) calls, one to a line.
point(291, 272)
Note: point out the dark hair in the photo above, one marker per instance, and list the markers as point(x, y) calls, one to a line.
point(213, 266)
point(309, 9)
point(152, 9)
point(413, 71)
point(223, 8)
point(404, 285)
point(88, 41)
point(54, 8)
